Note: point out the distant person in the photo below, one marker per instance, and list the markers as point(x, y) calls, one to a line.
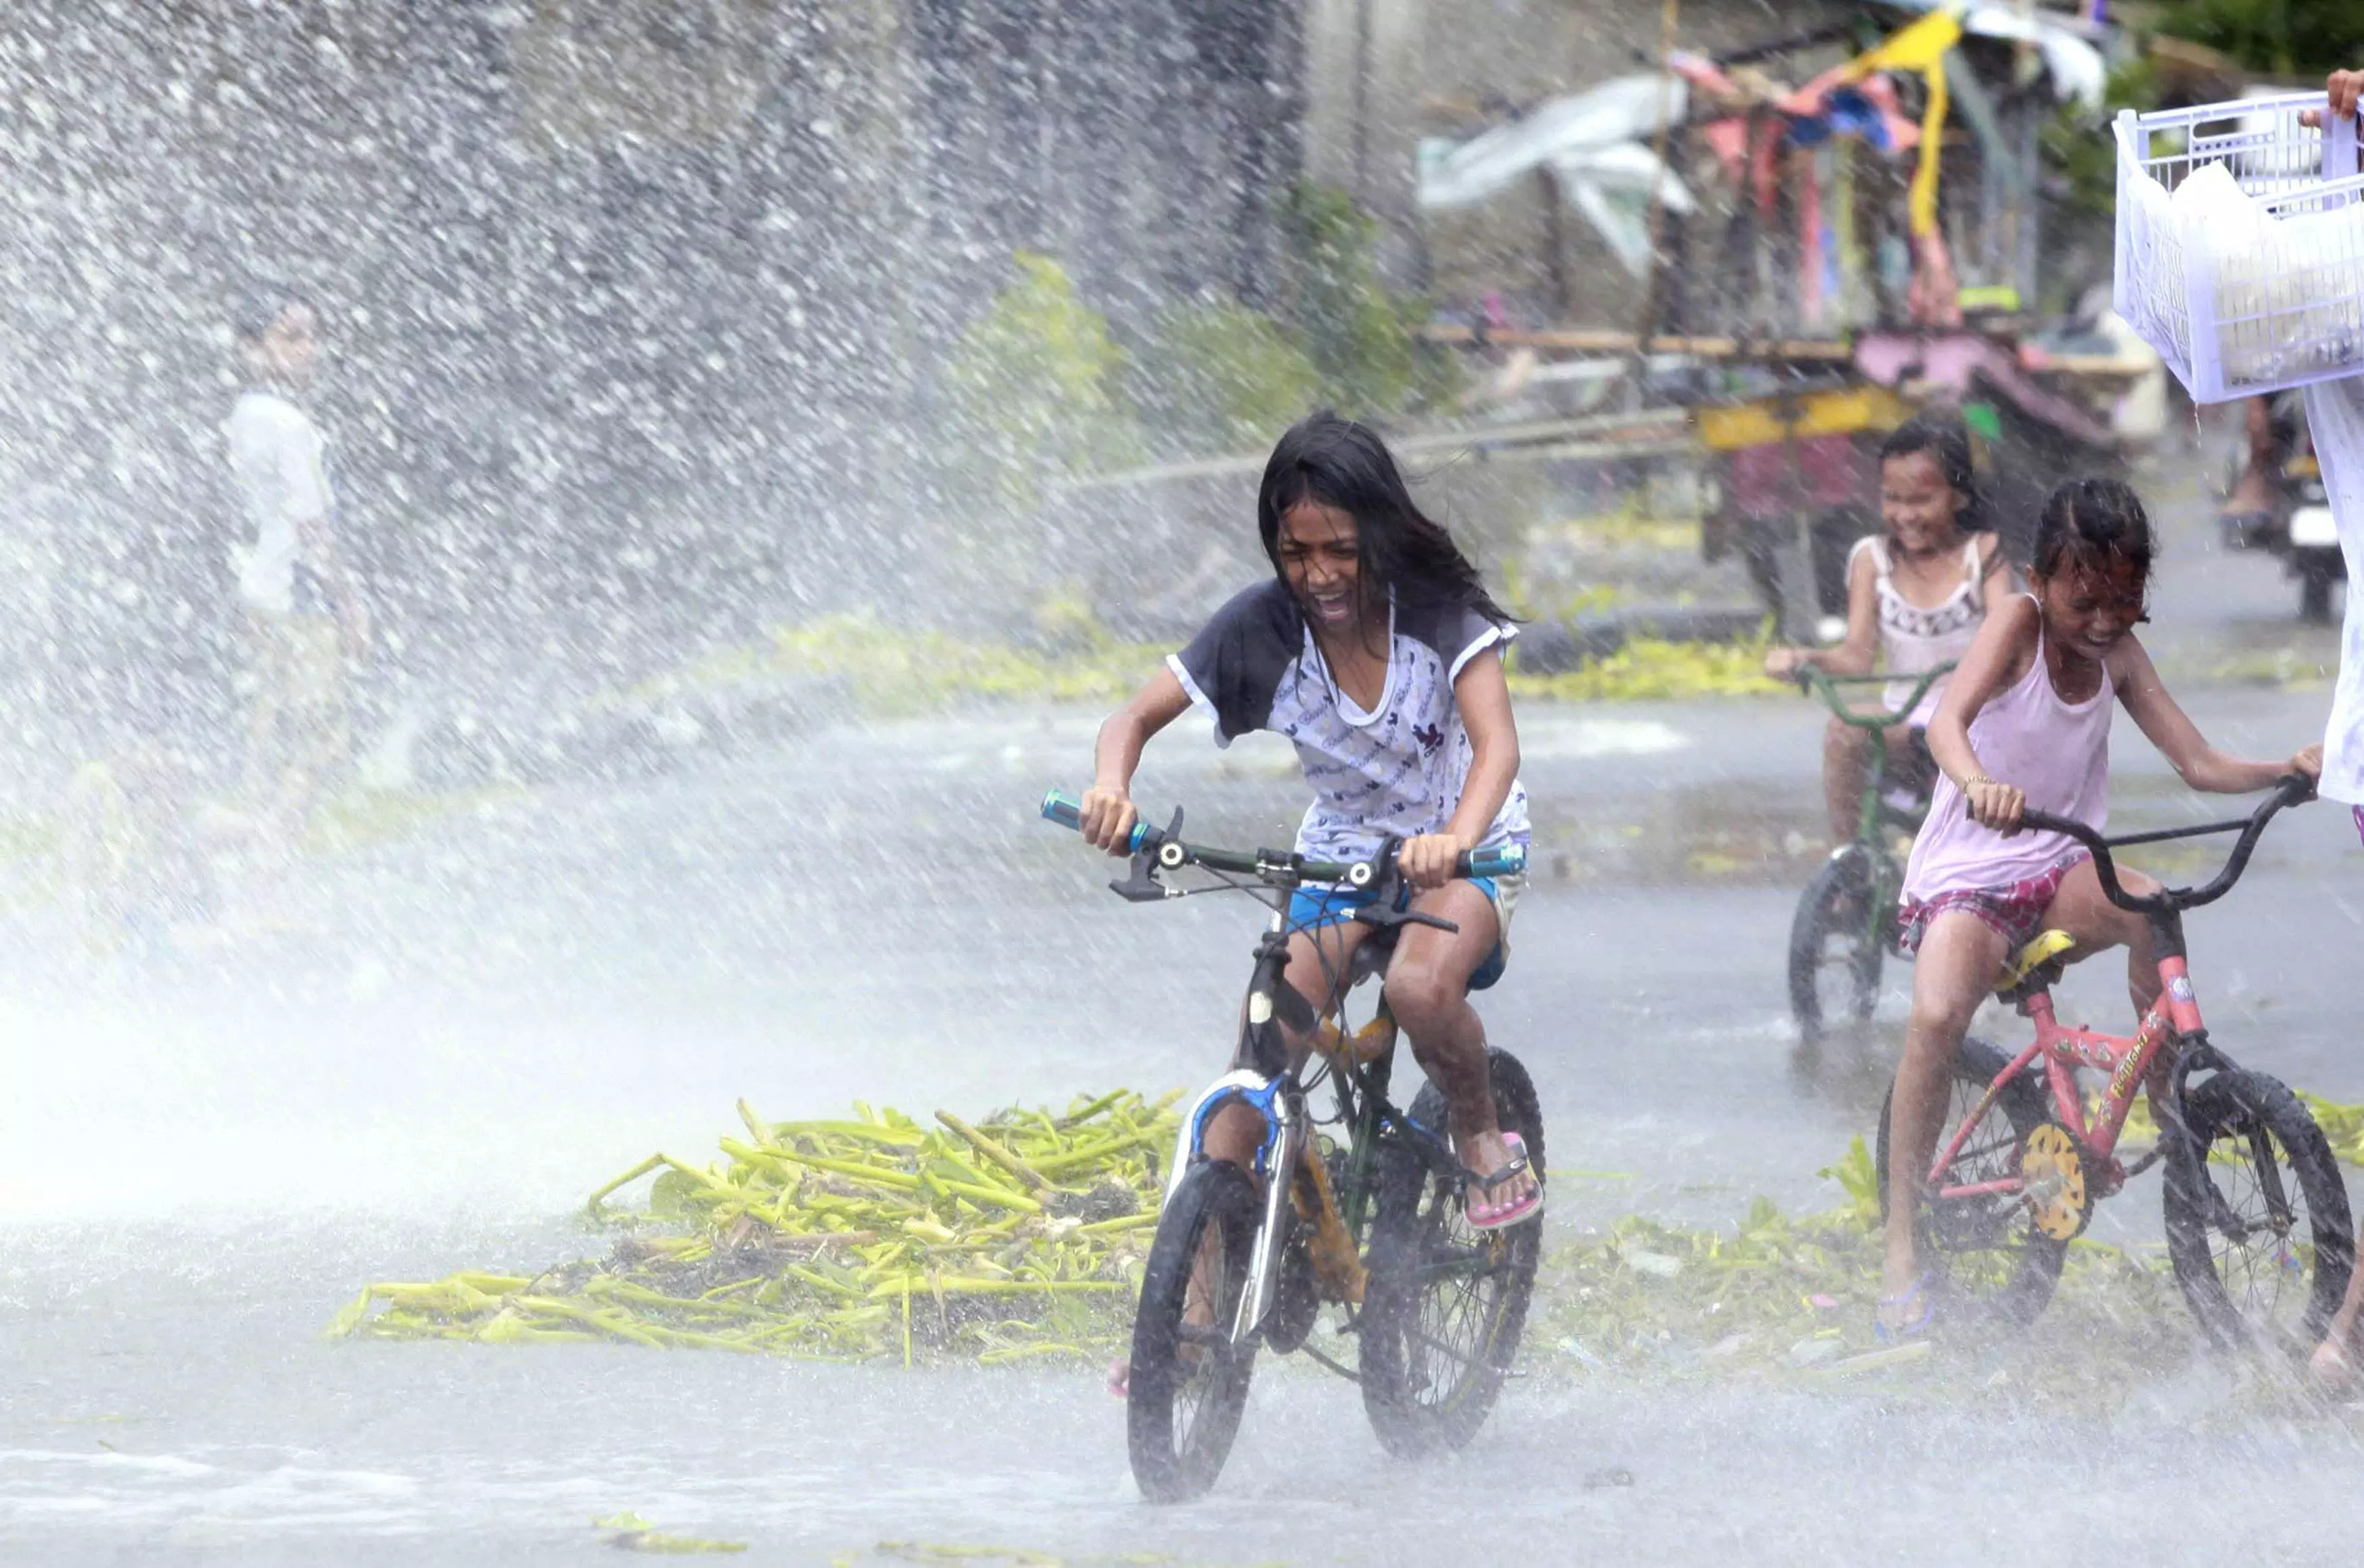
point(302, 608)
point(1917, 594)
point(2270, 431)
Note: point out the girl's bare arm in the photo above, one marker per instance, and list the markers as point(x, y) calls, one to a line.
point(2162, 718)
point(1995, 586)
point(1107, 815)
point(1996, 659)
point(1860, 652)
point(1483, 695)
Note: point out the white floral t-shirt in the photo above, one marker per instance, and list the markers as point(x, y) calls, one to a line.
point(1396, 769)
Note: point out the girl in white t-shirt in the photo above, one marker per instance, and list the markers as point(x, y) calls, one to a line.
point(1916, 596)
point(1376, 650)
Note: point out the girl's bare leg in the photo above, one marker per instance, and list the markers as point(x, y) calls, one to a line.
point(1955, 969)
point(1845, 751)
point(2085, 912)
point(1428, 991)
point(1317, 968)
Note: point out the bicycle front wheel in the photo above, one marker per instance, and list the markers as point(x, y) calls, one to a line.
point(1836, 947)
point(1446, 1304)
point(1984, 1247)
point(1187, 1383)
point(2256, 1215)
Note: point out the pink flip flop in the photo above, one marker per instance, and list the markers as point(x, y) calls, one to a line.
point(1518, 1210)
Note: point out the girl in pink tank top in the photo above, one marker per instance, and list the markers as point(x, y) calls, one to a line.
point(2025, 722)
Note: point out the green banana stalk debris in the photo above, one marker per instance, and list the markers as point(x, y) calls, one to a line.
point(1022, 1235)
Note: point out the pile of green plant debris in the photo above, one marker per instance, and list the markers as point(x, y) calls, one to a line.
point(1792, 1296)
point(1022, 1235)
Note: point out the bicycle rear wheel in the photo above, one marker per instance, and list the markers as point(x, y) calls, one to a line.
point(1835, 948)
point(1446, 1304)
point(1985, 1249)
point(1187, 1383)
point(2257, 1222)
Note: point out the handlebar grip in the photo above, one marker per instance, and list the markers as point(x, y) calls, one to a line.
point(1064, 810)
point(1509, 860)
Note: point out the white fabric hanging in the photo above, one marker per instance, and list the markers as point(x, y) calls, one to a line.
point(2335, 416)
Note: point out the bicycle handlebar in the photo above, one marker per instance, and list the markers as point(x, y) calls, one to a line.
point(1507, 860)
point(2291, 789)
point(1820, 682)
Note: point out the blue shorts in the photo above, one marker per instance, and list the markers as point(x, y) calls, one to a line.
point(1312, 908)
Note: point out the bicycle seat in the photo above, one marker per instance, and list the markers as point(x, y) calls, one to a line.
point(2033, 967)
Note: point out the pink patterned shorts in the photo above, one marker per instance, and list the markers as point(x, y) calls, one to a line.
point(2014, 913)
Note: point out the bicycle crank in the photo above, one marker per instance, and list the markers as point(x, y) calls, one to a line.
point(2052, 1171)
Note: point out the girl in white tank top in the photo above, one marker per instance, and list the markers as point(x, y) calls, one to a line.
point(2026, 722)
point(1916, 595)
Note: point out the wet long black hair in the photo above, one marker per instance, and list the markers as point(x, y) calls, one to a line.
point(2090, 523)
point(1341, 463)
point(1941, 433)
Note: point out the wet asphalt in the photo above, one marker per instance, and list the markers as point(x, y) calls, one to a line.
point(487, 1016)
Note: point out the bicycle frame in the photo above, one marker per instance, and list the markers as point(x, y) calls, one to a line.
point(2127, 1061)
point(1290, 1163)
point(1825, 686)
point(2172, 1018)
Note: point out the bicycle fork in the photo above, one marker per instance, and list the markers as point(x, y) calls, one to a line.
point(1272, 1003)
point(1284, 1146)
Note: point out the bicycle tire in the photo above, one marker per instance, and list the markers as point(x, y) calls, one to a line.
point(1174, 1461)
point(1985, 1251)
point(1830, 911)
point(2235, 1111)
point(1412, 1410)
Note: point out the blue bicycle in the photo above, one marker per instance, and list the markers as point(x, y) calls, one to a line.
point(1374, 1225)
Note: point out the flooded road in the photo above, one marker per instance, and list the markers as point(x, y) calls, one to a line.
point(521, 997)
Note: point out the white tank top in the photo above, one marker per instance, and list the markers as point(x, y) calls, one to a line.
point(1912, 640)
point(2057, 753)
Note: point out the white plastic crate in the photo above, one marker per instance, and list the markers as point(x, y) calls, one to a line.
point(2242, 297)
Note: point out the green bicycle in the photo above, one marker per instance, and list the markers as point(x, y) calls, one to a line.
point(1845, 923)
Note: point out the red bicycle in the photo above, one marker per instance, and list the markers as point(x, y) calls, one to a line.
point(2257, 1223)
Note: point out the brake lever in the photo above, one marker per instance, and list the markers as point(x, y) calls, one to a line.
point(1389, 920)
point(1140, 884)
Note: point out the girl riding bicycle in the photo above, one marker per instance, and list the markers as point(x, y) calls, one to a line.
point(1378, 650)
point(2025, 722)
point(1915, 596)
